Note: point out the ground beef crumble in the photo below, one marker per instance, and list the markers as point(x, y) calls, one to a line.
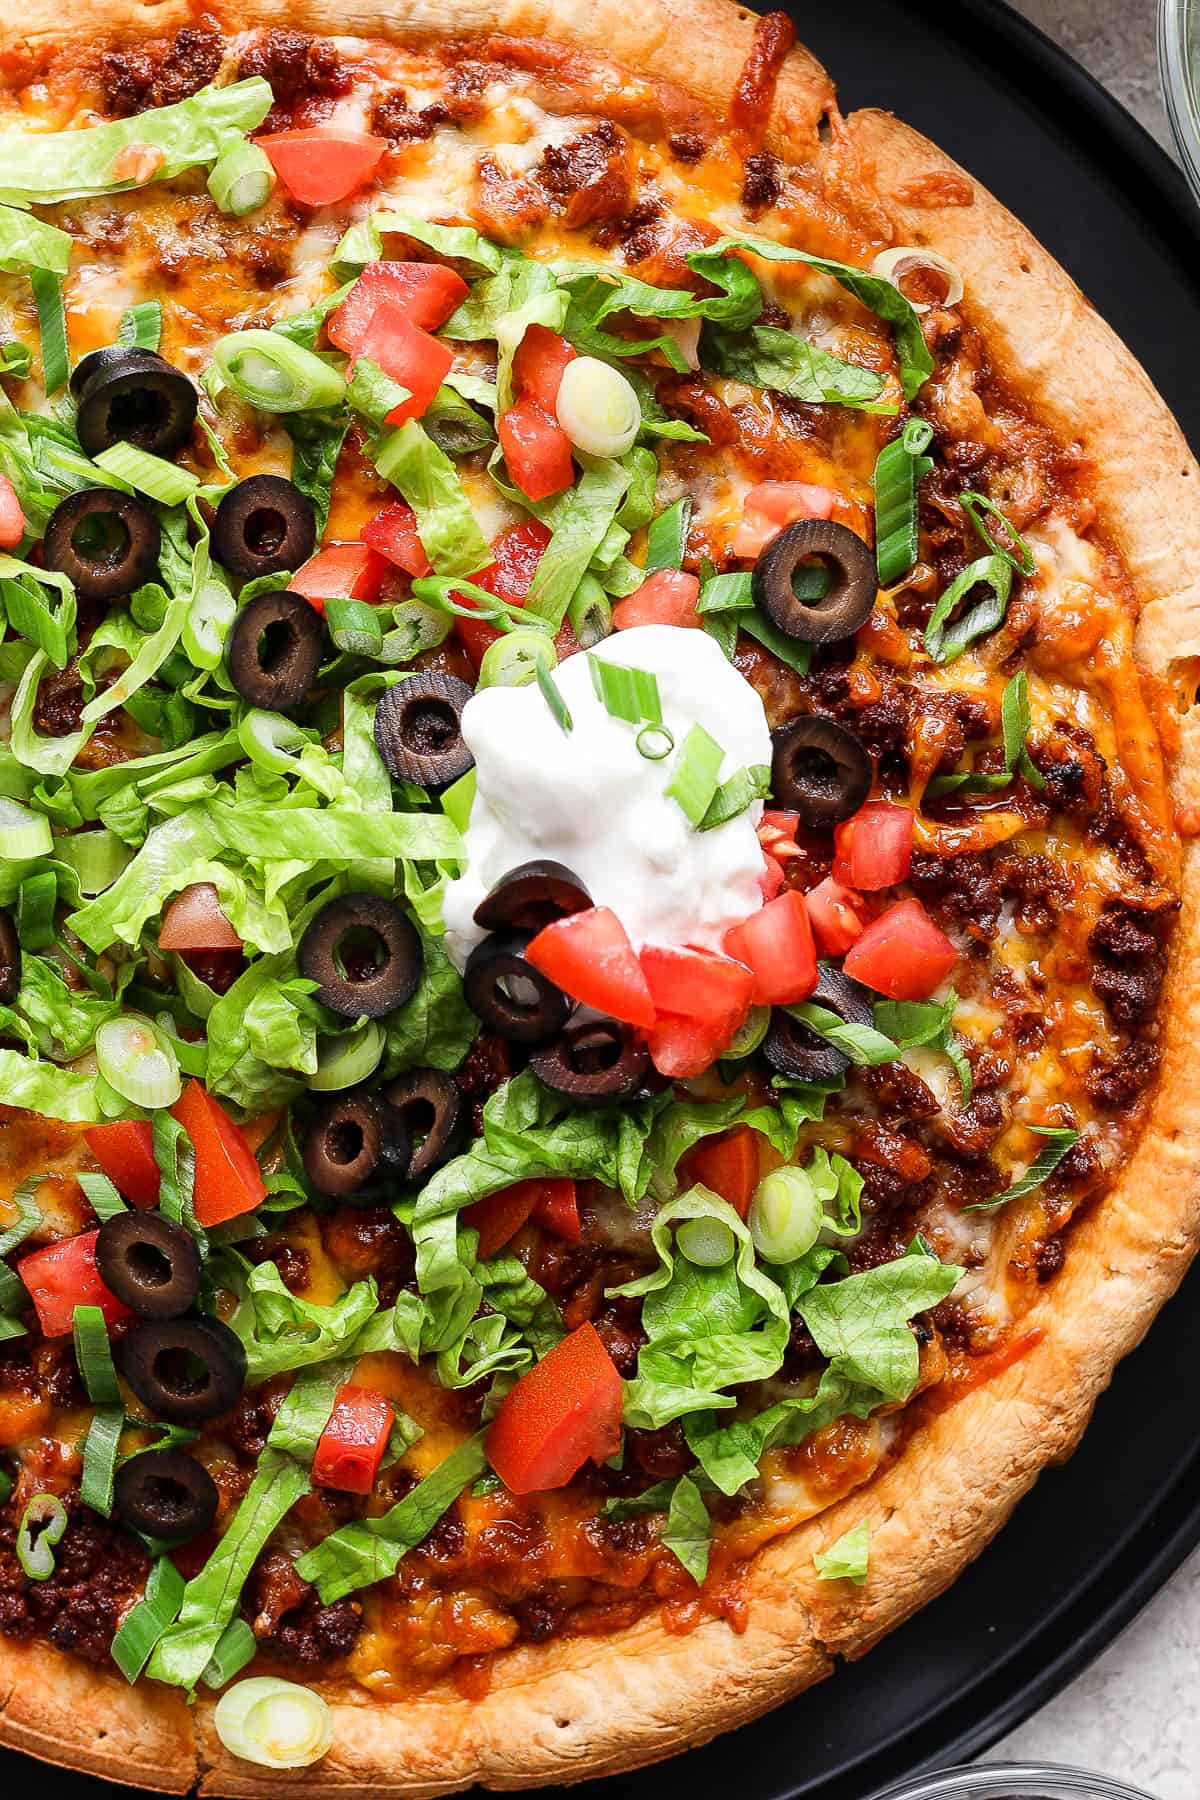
point(99, 1571)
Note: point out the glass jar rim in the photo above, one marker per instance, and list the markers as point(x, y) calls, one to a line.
point(1012, 1781)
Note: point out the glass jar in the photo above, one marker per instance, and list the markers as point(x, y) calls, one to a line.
point(1012, 1781)
point(1179, 65)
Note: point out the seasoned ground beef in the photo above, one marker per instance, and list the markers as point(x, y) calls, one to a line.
point(99, 1571)
point(59, 705)
point(763, 182)
point(589, 178)
point(393, 118)
point(1117, 1084)
point(1127, 967)
point(958, 891)
point(289, 1621)
point(159, 75)
point(302, 72)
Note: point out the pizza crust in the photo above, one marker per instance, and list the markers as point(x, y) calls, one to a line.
point(591, 1706)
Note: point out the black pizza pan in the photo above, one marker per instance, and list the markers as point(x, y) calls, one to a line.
point(1095, 1539)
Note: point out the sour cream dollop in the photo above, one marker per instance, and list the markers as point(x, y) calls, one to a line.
point(589, 798)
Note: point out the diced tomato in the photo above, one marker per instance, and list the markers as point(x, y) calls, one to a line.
point(498, 1217)
point(772, 878)
point(320, 167)
point(409, 355)
point(777, 944)
point(777, 833)
point(873, 848)
point(194, 921)
point(518, 552)
point(589, 956)
point(340, 572)
point(668, 597)
point(64, 1276)
point(557, 1208)
point(835, 913)
point(537, 451)
point(538, 366)
point(771, 505)
point(902, 954)
point(12, 519)
point(683, 1048)
point(125, 1151)
point(727, 1164)
point(698, 984)
point(350, 1449)
point(228, 1179)
point(564, 1410)
point(427, 292)
point(393, 534)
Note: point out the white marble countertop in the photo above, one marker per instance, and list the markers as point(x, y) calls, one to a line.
point(1136, 1712)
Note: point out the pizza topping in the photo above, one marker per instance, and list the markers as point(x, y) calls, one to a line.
point(419, 730)
point(150, 1263)
point(64, 1276)
point(429, 1107)
point(351, 1143)
point(165, 1494)
point(263, 526)
point(105, 543)
point(274, 1723)
point(842, 602)
point(592, 1059)
point(510, 993)
point(924, 278)
point(597, 407)
point(273, 651)
point(241, 179)
point(132, 395)
point(363, 956)
point(820, 769)
point(321, 167)
point(184, 1370)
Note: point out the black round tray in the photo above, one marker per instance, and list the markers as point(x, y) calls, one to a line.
point(1042, 1601)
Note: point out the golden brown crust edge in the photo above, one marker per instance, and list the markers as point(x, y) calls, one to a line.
point(593, 1706)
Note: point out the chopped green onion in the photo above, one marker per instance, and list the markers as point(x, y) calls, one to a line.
point(103, 1197)
point(514, 660)
point(709, 1243)
point(42, 1525)
point(898, 472)
point(630, 694)
point(655, 742)
point(236, 1647)
point(97, 857)
point(29, 1214)
point(666, 539)
point(749, 1034)
point(354, 627)
point(1020, 558)
point(697, 774)
point(945, 641)
point(52, 324)
point(15, 358)
point(458, 799)
point(151, 475)
point(137, 1060)
point(241, 179)
point(415, 627)
point(6, 1487)
point(590, 613)
point(863, 1044)
point(552, 697)
point(93, 1353)
point(207, 625)
point(440, 591)
point(100, 1450)
point(343, 1061)
point(23, 833)
point(785, 1216)
point(141, 326)
point(735, 795)
point(37, 898)
point(268, 371)
point(275, 1723)
point(598, 407)
point(145, 1623)
point(1060, 1139)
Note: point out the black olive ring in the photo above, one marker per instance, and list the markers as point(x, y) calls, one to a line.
point(274, 650)
point(532, 896)
point(418, 730)
point(184, 1370)
point(123, 551)
point(132, 396)
point(793, 1050)
point(429, 1106)
point(849, 598)
point(150, 1263)
point(513, 998)
point(372, 977)
point(165, 1494)
point(820, 770)
point(592, 1060)
point(264, 525)
point(352, 1140)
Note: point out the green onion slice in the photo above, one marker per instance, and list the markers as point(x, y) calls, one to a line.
point(93, 1353)
point(590, 613)
point(1059, 1139)
point(138, 1061)
point(97, 857)
point(552, 697)
point(342, 1061)
point(630, 694)
point(275, 1723)
point(354, 626)
point(151, 475)
point(898, 472)
point(268, 371)
point(241, 179)
point(23, 833)
point(100, 1450)
point(52, 324)
point(709, 1243)
point(735, 795)
point(37, 898)
point(514, 660)
point(103, 1197)
point(29, 1214)
point(42, 1525)
point(666, 537)
point(142, 1627)
point(655, 742)
point(945, 640)
point(697, 774)
point(749, 1034)
point(141, 326)
point(1019, 557)
point(237, 1647)
point(785, 1216)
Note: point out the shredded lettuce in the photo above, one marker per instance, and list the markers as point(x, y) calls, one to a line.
point(281, 1331)
point(767, 357)
point(29, 243)
point(43, 1087)
point(848, 1559)
point(428, 480)
point(585, 515)
point(688, 1530)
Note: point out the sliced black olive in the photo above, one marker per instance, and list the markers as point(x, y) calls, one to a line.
point(418, 730)
point(364, 954)
point(263, 525)
point(10, 959)
point(184, 1370)
point(353, 1141)
point(820, 770)
point(150, 1262)
point(593, 1059)
point(135, 397)
point(104, 541)
point(430, 1107)
point(849, 597)
point(165, 1494)
point(792, 1049)
point(274, 650)
point(531, 897)
point(512, 997)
